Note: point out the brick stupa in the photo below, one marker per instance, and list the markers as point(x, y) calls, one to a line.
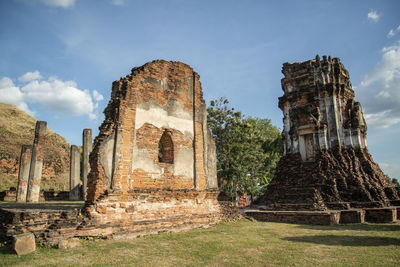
point(325, 163)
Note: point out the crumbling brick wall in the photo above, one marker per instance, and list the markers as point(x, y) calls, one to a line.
point(154, 157)
point(326, 164)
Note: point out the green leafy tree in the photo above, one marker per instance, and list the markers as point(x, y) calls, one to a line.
point(396, 183)
point(248, 149)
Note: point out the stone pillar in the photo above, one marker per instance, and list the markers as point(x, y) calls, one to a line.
point(23, 174)
point(74, 173)
point(35, 170)
point(86, 149)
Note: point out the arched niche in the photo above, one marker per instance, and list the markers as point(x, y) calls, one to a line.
point(166, 148)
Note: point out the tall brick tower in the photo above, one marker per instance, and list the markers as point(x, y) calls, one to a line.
point(325, 164)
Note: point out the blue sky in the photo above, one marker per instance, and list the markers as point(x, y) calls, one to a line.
point(58, 58)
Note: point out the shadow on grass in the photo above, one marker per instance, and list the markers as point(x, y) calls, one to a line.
point(54, 205)
point(355, 227)
point(346, 240)
point(6, 250)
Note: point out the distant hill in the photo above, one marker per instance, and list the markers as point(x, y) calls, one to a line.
point(17, 128)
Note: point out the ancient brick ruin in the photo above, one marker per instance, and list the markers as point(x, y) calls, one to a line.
point(153, 163)
point(152, 168)
point(326, 164)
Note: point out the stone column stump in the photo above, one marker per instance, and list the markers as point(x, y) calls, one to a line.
point(35, 171)
point(74, 174)
point(86, 150)
point(23, 174)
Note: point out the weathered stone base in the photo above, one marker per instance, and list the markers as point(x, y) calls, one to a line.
point(154, 210)
point(332, 217)
point(49, 225)
point(384, 215)
point(116, 216)
point(172, 224)
point(301, 217)
point(352, 216)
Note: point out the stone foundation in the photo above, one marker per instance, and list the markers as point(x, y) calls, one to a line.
point(332, 217)
point(143, 212)
point(150, 211)
point(384, 215)
point(300, 217)
point(352, 216)
point(48, 225)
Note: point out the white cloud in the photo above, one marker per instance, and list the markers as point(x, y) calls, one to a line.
point(52, 3)
point(30, 76)
point(379, 91)
point(373, 16)
point(52, 94)
point(393, 32)
point(58, 3)
point(391, 169)
point(381, 119)
point(97, 96)
point(118, 2)
point(383, 94)
point(11, 94)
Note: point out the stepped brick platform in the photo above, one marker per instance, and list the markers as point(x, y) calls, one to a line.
point(52, 222)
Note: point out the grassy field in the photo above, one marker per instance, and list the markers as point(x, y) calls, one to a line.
point(239, 243)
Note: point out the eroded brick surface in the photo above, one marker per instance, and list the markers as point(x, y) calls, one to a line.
point(150, 161)
point(312, 217)
point(326, 164)
point(152, 168)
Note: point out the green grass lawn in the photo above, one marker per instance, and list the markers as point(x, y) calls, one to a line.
point(242, 243)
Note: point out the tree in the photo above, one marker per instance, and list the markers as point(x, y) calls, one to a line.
point(248, 149)
point(396, 183)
